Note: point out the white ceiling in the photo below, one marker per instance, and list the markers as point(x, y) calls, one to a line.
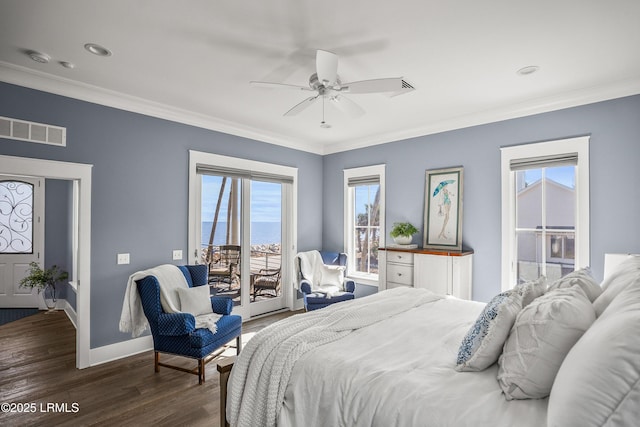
point(192, 61)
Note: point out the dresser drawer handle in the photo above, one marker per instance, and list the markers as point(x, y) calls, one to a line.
point(399, 274)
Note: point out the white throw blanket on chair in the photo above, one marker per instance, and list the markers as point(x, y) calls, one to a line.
point(261, 373)
point(170, 278)
point(328, 279)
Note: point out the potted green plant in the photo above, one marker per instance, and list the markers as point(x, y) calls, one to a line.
point(44, 281)
point(402, 232)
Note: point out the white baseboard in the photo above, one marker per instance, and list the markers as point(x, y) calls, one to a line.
point(120, 350)
point(71, 313)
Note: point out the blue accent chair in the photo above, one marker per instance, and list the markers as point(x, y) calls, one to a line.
point(316, 300)
point(175, 333)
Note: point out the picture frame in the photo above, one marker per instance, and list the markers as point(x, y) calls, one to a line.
point(443, 209)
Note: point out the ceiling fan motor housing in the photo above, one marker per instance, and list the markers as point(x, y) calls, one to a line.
point(315, 84)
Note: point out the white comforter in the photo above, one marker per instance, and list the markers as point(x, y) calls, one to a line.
point(260, 375)
point(400, 372)
point(395, 372)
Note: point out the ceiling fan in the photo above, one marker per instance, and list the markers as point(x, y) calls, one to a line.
point(328, 86)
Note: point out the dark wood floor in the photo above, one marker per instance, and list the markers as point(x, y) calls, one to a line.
point(37, 368)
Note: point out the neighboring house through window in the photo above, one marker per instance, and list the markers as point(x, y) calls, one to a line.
point(545, 210)
point(364, 221)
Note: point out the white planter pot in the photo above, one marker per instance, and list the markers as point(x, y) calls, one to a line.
point(403, 240)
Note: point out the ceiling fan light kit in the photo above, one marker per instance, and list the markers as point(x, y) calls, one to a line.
point(327, 85)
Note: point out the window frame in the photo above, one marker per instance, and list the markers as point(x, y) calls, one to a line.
point(579, 145)
point(349, 214)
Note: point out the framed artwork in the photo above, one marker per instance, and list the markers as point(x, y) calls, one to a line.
point(443, 209)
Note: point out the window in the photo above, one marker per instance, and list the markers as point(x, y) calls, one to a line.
point(545, 210)
point(364, 220)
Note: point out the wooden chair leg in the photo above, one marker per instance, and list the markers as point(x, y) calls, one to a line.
point(239, 344)
point(157, 361)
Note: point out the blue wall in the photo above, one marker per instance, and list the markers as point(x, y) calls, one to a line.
point(614, 127)
point(140, 186)
point(58, 227)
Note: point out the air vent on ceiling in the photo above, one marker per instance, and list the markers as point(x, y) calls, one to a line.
point(406, 87)
point(32, 132)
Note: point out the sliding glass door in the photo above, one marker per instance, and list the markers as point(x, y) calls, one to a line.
point(243, 231)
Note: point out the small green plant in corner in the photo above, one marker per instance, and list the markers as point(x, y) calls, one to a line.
point(39, 278)
point(403, 229)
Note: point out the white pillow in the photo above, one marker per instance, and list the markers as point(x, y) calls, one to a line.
point(196, 300)
point(541, 337)
point(531, 290)
point(332, 276)
point(582, 277)
point(482, 345)
point(624, 275)
point(598, 383)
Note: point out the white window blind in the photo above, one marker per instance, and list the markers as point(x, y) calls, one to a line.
point(565, 159)
point(363, 180)
point(202, 169)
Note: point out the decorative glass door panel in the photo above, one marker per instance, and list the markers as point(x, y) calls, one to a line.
point(21, 237)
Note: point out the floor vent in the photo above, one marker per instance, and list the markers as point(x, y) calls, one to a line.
point(32, 132)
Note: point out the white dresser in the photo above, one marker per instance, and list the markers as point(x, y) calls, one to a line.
point(399, 269)
point(447, 273)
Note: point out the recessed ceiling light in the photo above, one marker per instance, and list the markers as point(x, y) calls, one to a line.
point(530, 69)
point(42, 58)
point(68, 65)
point(96, 49)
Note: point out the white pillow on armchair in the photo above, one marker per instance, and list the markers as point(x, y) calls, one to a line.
point(332, 275)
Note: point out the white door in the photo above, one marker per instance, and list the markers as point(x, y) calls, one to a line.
point(21, 237)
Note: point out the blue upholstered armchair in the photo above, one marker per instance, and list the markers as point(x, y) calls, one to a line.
point(316, 300)
point(175, 333)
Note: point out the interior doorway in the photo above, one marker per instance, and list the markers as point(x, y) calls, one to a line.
point(80, 175)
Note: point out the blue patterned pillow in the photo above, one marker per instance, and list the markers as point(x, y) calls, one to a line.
point(483, 344)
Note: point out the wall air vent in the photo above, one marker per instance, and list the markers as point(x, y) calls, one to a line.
point(32, 132)
point(406, 87)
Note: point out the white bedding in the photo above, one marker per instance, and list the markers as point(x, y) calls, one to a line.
point(400, 372)
point(261, 373)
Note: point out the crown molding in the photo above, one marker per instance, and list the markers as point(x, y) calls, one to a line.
point(570, 99)
point(22, 76)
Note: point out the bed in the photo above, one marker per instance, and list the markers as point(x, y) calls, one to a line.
point(393, 359)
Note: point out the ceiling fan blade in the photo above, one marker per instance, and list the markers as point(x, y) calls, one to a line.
point(373, 86)
point(279, 85)
point(347, 106)
point(326, 67)
point(301, 106)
